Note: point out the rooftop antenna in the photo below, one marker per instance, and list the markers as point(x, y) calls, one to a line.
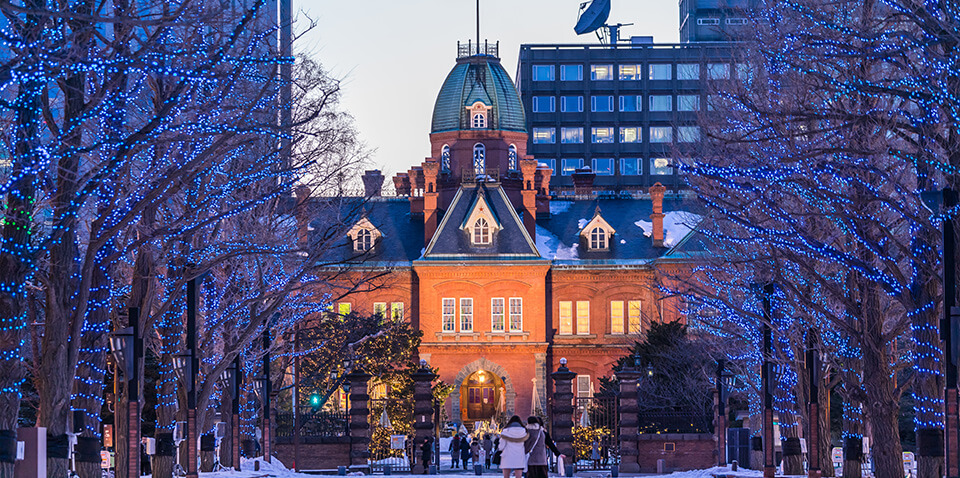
point(478, 26)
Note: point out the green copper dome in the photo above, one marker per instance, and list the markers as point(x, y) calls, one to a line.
point(478, 78)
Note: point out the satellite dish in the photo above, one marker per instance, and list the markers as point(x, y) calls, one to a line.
point(593, 16)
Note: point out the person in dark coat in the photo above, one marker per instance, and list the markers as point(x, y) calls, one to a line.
point(487, 450)
point(455, 451)
point(427, 450)
point(465, 451)
point(539, 446)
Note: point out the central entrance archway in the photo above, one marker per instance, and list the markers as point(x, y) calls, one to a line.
point(496, 381)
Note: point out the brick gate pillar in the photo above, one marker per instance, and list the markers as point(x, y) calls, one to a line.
point(359, 417)
point(628, 410)
point(422, 412)
point(562, 415)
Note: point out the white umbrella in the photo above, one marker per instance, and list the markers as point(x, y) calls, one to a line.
point(463, 429)
point(535, 398)
point(584, 419)
point(385, 420)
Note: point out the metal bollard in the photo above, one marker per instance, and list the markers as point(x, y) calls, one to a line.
point(661, 466)
point(433, 470)
point(342, 471)
point(569, 470)
point(387, 470)
point(734, 465)
point(477, 470)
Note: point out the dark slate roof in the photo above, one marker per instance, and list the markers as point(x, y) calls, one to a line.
point(509, 243)
point(628, 245)
point(402, 240)
point(498, 92)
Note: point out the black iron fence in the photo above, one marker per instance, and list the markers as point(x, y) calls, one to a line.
point(675, 422)
point(391, 443)
point(314, 424)
point(596, 432)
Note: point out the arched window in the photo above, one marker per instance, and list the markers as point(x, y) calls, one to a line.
point(445, 158)
point(479, 120)
point(598, 238)
point(479, 153)
point(512, 158)
point(481, 232)
point(364, 240)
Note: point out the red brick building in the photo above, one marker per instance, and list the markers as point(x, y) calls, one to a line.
point(502, 278)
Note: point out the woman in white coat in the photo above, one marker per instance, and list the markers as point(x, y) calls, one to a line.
point(513, 458)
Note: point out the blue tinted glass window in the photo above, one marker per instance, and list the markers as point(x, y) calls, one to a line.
point(661, 166)
point(661, 103)
point(571, 72)
point(544, 104)
point(630, 166)
point(543, 73)
point(603, 166)
point(570, 165)
point(571, 104)
point(631, 103)
point(601, 104)
point(571, 135)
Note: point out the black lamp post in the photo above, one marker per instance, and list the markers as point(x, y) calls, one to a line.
point(721, 413)
point(764, 294)
point(265, 386)
point(127, 348)
point(229, 380)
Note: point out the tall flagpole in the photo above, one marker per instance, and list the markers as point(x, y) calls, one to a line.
point(478, 27)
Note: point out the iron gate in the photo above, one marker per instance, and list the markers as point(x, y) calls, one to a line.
point(596, 433)
point(391, 438)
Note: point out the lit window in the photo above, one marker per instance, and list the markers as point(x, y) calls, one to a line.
point(512, 157)
point(571, 104)
point(630, 103)
point(543, 73)
point(570, 165)
point(630, 134)
point(601, 72)
point(688, 134)
point(603, 134)
point(571, 72)
point(718, 71)
point(466, 315)
point(688, 103)
point(449, 315)
point(633, 311)
point(364, 240)
point(602, 166)
point(544, 135)
point(344, 308)
point(516, 314)
point(660, 72)
point(598, 238)
point(661, 134)
point(630, 72)
point(566, 318)
point(583, 317)
point(396, 310)
point(496, 314)
point(571, 135)
point(616, 317)
point(544, 104)
point(688, 71)
point(380, 309)
point(481, 232)
point(479, 120)
point(661, 103)
point(584, 386)
point(479, 153)
point(630, 166)
point(601, 104)
point(660, 166)
point(445, 158)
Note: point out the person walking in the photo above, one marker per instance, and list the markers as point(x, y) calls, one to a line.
point(513, 457)
point(465, 451)
point(487, 450)
point(427, 454)
point(537, 444)
point(595, 453)
point(455, 451)
point(475, 452)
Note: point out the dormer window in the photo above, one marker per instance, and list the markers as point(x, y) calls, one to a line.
point(364, 240)
point(598, 238)
point(479, 155)
point(481, 232)
point(445, 158)
point(512, 158)
point(597, 234)
point(478, 113)
point(479, 120)
point(364, 235)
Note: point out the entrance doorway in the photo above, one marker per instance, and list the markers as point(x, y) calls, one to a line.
point(482, 396)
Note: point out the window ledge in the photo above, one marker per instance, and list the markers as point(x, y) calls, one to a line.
point(574, 336)
point(458, 336)
point(507, 336)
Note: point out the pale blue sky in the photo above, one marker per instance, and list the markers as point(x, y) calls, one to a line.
point(393, 55)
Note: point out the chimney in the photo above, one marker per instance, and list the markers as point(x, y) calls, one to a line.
point(543, 188)
point(372, 183)
point(528, 171)
point(431, 169)
point(656, 217)
point(401, 183)
point(583, 181)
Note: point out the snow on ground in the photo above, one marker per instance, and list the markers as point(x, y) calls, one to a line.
point(550, 246)
point(582, 223)
point(676, 226)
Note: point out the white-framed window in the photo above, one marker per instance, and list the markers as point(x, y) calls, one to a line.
point(616, 317)
point(631, 134)
point(481, 232)
point(512, 157)
point(344, 308)
point(708, 21)
point(631, 103)
point(661, 103)
point(571, 104)
point(718, 71)
point(601, 104)
point(396, 310)
point(602, 166)
point(544, 104)
point(688, 102)
point(553, 165)
point(598, 239)
point(583, 317)
point(516, 314)
point(630, 166)
point(601, 72)
point(631, 72)
point(571, 72)
point(445, 158)
point(543, 73)
point(479, 155)
point(602, 134)
point(571, 135)
point(633, 316)
point(661, 166)
point(688, 134)
point(448, 314)
point(466, 314)
point(661, 71)
point(364, 240)
point(584, 386)
point(688, 71)
point(544, 135)
point(661, 134)
point(737, 21)
point(496, 314)
point(566, 318)
point(479, 120)
point(570, 165)
point(380, 309)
